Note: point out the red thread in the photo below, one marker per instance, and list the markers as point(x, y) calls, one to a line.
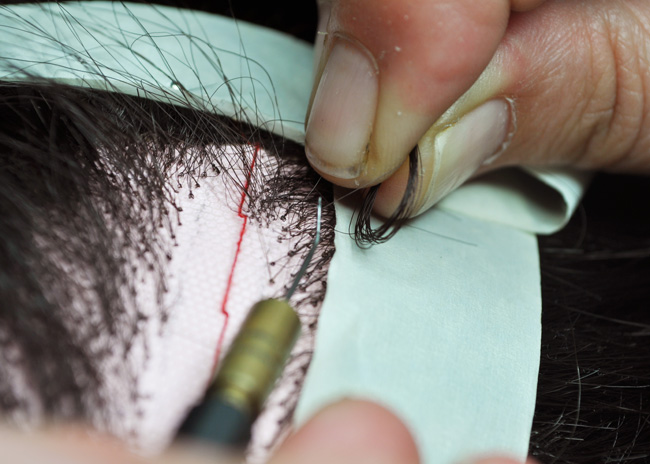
point(224, 303)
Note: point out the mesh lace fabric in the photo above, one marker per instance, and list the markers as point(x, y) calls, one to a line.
point(561, 401)
point(121, 219)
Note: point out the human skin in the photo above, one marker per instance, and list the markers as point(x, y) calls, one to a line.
point(572, 76)
point(571, 82)
point(352, 431)
point(576, 79)
point(577, 74)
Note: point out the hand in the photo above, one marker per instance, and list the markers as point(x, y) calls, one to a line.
point(556, 83)
point(354, 432)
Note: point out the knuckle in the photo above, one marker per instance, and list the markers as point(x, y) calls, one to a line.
point(619, 107)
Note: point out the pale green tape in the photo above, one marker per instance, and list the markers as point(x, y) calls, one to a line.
point(184, 57)
point(442, 325)
point(233, 68)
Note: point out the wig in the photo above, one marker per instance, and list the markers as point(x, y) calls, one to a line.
point(90, 183)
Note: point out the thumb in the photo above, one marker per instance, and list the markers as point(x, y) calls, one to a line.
point(388, 69)
point(350, 431)
point(76, 444)
point(358, 432)
point(569, 86)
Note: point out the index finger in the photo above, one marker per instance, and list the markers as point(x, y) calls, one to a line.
point(388, 70)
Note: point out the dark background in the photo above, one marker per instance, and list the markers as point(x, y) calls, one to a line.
point(594, 384)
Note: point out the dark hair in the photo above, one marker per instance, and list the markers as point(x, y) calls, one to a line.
point(594, 380)
point(88, 182)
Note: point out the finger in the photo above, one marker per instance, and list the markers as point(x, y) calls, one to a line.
point(525, 5)
point(78, 445)
point(569, 86)
point(388, 70)
point(350, 432)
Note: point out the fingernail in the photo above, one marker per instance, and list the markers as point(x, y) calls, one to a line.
point(324, 10)
point(343, 111)
point(455, 153)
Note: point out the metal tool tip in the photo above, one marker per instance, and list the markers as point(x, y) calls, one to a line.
point(312, 250)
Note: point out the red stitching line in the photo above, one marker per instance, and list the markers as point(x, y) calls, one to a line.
point(224, 303)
